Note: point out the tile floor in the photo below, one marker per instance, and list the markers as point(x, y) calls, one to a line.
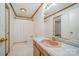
point(22, 49)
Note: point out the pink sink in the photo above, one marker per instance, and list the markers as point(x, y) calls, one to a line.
point(50, 43)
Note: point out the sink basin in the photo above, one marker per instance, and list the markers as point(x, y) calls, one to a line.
point(50, 43)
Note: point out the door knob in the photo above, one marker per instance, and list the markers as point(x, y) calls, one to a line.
point(3, 39)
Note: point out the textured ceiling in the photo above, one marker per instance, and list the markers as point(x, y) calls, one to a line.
point(30, 9)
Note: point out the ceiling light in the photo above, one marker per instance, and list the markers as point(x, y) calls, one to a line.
point(22, 9)
point(48, 5)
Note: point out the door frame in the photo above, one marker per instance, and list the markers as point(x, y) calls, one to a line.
point(54, 23)
point(7, 7)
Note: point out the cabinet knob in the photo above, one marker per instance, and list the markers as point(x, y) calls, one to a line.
point(71, 32)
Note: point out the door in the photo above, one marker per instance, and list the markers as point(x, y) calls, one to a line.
point(57, 26)
point(7, 29)
point(2, 28)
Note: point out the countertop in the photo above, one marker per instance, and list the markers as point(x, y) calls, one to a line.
point(64, 50)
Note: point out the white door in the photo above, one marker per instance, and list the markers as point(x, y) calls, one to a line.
point(23, 30)
point(57, 25)
point(2, 28)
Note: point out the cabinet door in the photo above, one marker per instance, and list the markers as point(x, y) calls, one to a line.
point(36, 52)
point(42, 54)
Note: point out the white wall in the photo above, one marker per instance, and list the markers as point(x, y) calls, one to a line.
point(65, 25)
point(74, 22)
point(23, 30)
point(2, 28)
point(49, 26)
point(39, 22)
point(69, 22)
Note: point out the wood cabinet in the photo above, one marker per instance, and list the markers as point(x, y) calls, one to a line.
point(38, 50)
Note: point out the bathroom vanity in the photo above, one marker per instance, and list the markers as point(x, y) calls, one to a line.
point(40, 49)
